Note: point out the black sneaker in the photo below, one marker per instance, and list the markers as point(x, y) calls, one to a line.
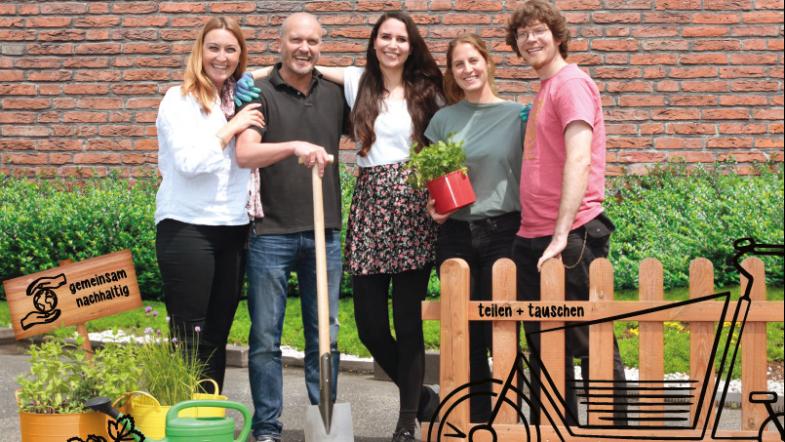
point(268, 438)
point(402, 436)
point(429, 402)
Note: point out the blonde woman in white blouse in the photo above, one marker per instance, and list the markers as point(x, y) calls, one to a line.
point(201, 218)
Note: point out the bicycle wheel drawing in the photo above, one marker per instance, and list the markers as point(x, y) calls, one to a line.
point(448, 430)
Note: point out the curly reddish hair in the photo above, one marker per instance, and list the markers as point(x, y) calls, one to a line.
point(543, 12)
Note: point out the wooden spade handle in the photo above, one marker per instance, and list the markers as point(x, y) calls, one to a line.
point(323, 304)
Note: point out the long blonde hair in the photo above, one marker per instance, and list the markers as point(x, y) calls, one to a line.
point(452, 91)
point(195, 81)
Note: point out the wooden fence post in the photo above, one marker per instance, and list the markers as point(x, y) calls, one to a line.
point(552, 343)
point(701, 338)
point(754, 359)
point(600, 335)
point(505, 342)
point(651, 345)
point(454, 366)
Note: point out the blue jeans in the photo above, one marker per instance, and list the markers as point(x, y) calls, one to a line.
point(271, 258)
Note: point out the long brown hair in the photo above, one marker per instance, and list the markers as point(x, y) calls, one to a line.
point(545, 13)
point(195, 81)
point(422, 81)
point(451, 89)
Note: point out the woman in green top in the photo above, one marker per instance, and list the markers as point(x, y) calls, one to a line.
point(492, 132)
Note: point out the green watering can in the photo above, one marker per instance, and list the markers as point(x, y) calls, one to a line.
point(187, 429)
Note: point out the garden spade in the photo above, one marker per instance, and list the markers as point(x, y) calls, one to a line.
point(326, 421)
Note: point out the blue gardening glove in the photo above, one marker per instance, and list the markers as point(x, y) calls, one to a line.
point(245, 91)
point(525, 112)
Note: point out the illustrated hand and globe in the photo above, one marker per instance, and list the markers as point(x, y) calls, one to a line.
point(44, 301)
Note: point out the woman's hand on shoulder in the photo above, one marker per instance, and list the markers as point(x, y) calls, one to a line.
point(332, 73)
point(247, 117)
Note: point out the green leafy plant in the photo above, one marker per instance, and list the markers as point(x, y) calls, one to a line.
point(57, 381)
point(172, 369)
point(115, 369)
point(61, 378)
point(435, 160)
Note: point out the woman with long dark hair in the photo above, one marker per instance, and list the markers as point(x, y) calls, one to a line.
point(200, 211)
point(391, 241)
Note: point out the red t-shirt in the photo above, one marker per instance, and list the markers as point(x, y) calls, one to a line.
point(568, 96)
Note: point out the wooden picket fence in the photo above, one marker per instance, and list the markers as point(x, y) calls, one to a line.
point(455, 310)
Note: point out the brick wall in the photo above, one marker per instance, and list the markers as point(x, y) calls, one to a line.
point(700, 80)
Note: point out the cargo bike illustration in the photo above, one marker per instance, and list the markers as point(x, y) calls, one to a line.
point(656, 409)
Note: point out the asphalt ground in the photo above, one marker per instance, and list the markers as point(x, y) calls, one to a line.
point(374, 403)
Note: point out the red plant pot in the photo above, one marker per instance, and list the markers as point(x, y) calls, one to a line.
point(452, 191)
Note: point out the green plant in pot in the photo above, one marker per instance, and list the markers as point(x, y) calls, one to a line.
point(52, 394)
point(441, 167)
point(171, 374)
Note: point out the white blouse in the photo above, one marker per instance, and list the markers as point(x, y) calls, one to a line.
point(393, 126)
point(201, 183)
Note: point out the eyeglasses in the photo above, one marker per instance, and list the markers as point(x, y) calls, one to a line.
point(524, 34)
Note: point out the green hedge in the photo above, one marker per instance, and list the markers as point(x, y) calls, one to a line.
point(675, 215)
point(43, 222)
point(672, 214)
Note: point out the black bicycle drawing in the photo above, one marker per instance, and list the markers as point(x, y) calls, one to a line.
point(652, 421)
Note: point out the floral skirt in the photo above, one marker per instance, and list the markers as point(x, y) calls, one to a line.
point(389, 229)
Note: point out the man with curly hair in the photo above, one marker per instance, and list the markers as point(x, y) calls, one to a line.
point(562, 182)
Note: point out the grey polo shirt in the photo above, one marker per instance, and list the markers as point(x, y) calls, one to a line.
point(319, 118)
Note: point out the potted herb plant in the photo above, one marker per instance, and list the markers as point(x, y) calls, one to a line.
point(51, 395)
point(171, 374)
point(441, 167)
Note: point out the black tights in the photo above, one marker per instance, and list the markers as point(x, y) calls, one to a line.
point(202, 270)
point(402, 357)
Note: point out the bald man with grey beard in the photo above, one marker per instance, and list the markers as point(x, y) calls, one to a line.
point(305, 116)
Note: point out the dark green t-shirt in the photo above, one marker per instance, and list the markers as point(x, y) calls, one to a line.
point(317, 118)
point(493, 141)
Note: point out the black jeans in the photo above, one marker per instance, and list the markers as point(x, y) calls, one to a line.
point(584, 244)
point(202, 270)
point(402, 357)
point(479, 243)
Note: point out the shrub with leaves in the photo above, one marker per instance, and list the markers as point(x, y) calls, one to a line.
point(43, 222)
point(676, 215)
